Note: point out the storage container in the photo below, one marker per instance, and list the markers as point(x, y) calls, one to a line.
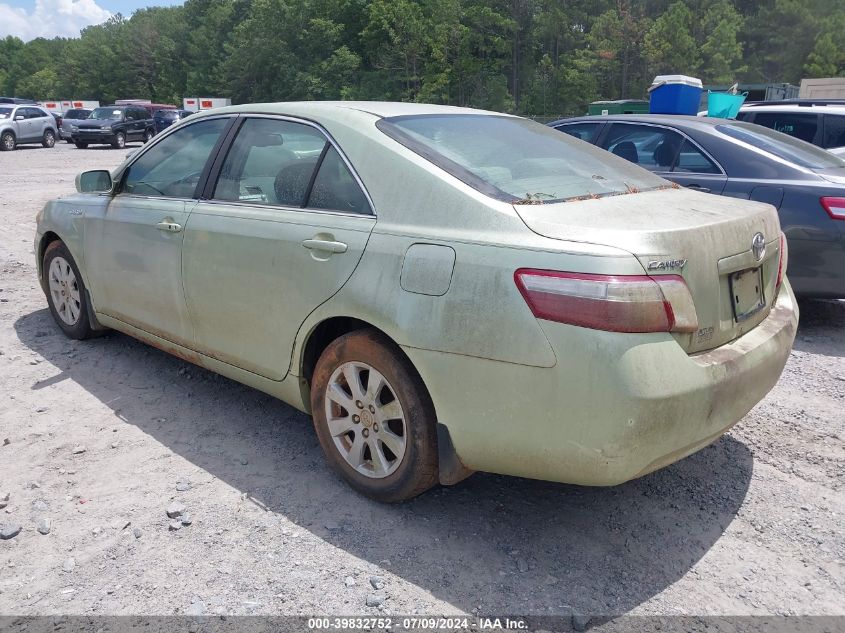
point(674, 94)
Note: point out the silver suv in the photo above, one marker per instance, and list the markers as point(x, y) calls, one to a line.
point(21, 124)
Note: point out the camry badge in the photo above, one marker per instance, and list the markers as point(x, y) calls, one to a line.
point(758, 246)
point(667, 264)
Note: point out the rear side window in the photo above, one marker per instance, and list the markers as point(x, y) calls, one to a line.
point(834, 131)
point(287, 164)
point(173, 166)
point(658, 149)
point(798, 124)
point(5, 113)
point(584, 131)
point(516, 160)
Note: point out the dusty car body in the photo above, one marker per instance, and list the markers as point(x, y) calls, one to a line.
point(440, 303)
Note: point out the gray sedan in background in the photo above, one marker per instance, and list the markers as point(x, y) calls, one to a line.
point(20, 124)
point(742, 160)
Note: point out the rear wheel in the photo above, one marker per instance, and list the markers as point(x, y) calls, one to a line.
point(80, 144)
point(49, 138)
point(119, 140)
point(8, 141)
point(65, 292)
point(148, 136)
point(374, 418)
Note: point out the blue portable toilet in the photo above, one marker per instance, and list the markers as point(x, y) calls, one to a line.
point(675, 94)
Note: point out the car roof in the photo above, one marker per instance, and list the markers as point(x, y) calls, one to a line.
point(699, 122)
point(380, 109)
point(837, 108)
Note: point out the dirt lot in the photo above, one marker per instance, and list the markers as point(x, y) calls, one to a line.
point(101, 432)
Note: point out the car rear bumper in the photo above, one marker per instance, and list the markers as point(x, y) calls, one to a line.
point(614, 407)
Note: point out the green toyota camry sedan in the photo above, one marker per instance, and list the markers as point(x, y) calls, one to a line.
point(444, 290)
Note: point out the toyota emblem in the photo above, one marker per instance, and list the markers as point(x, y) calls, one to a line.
point(758, 246)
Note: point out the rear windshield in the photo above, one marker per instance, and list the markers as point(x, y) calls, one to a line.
point(167, 115)
point(516, 160)
point(106, 113)
point(77, 114)
point(5, 113)
point(782, 145)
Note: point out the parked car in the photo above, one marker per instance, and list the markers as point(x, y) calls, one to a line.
point(817, 121)
point(25, 124)
point(70, 122)
point(165, 118)
point(445, 290)
point(742, 160)
point(18, 101)
point(115, 126)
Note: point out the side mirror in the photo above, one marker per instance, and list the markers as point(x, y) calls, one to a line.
point(94, 181)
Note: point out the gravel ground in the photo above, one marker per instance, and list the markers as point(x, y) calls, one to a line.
point(100, 437)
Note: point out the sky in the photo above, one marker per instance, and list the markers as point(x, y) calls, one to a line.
point(28, 19)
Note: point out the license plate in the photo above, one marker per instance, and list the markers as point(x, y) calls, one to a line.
point(747, 292)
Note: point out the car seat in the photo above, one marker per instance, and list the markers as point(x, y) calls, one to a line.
point(628, 151)
point(292, 181)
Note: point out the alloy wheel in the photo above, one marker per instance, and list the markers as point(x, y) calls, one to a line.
point(366, 420)
point(64, 289)
point(8, 141)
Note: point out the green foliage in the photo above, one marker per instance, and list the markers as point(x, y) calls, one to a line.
point(536, 57)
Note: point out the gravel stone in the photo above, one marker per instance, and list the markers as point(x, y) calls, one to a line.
point(69, 564)
point(175, 525)
point(175, 509)
point(195, 609)
point(136, 532)
point(9, 530)
point(349, 581)
point(44, 526)
point(39, 505)
point(79, 449)
point(186, 519)
point(375, 599)
point(377, 582)
point(580, 622)
point(183, 485)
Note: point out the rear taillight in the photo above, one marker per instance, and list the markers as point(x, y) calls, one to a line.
point(783, 260)
point(616, 303)
point(835, 207)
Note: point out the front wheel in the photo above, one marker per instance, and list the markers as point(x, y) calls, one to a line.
point(65, 292)
point(8, 142)
point(80, 144)
point(49, 138)
point(374, 418)
point(119, 140)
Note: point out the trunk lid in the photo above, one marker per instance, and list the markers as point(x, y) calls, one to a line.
point(704, 238)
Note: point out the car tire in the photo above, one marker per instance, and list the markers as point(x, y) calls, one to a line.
point(80, 144)
point(49, 138)
point(392, 462)
point(8, 142)
point(119, 141)
point(65, 291)
point(148, 136)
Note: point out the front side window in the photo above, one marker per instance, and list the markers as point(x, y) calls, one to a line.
point(516, 160)
point(584, 131)
point(795, 124)
point(173, 166)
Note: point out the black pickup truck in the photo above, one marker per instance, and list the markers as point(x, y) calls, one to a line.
point(114, 125)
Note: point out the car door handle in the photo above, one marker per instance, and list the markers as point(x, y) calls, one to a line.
point(699, 188)
point(169, 226)
point(325, 245)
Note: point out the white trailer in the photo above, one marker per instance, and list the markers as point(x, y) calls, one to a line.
point(195, 104)
point(823, 88)
point(63, 106)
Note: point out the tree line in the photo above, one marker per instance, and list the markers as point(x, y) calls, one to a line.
point(535, 57)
